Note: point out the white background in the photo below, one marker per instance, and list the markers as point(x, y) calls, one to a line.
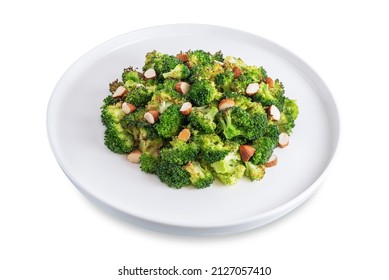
point(50, 231)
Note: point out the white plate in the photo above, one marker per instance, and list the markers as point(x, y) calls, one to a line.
point(76, 137)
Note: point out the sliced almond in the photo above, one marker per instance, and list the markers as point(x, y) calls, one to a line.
point(186, 108)
point(225, 104)
point(246, 152)
point(184, 135)
point(134, 156)
point(272, 161)
point(182, 87)
point(120, 91)
point(237, 72)
point(182, 56)
point(151, 116)
point(270, 82)
point(252, 89)
point(150, 74)
point(283, 140)
point(128, 108)
point(274, 113)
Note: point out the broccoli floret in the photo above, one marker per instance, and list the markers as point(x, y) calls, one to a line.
point(264, 147)
point(139, 96)
point(150, 146)
point(117, 139)
point(200, 177)
point(180, 72)
point(288, 116)
point(206, 72)
point(270, 96)
point(202, 118)
point(174, 175)
point(199, 57)
point(203, 92)
point(218, 56)
point(131, 76)
point(111, 114)
point(231, 62)
point(224, 80)
point(229, 169)
point(236, 122)
point(163, 98)
point(254, 172)
point(109, 100)
point(138, 127)
point(180, 152)
point(212, 148)
point(170, 122)
point(250, 74)
point(149, 163)
point(161, 63)
point(273, 133)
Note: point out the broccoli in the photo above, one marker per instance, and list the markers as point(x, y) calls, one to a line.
point(288, 116)
point(111, 113)
point(149, 163)
point(150, 146)
point(170, 122)
point(236, 122)
point(224, 80)
point(199, 57)
point(161, 63)
point(139, 96)
point(206, 72)
point(250, 74)
point(174, 175)
point(254, 172)
point(273, 133)
point(114, 85)
point(163, 97)
point(229, 169)
point(203, 92)
point(179, 152)
point(180, 72)
point(109, 100)
point(131, 76)
point(218, 56)
point(200, 177)
point(212, 148)
point(270, 96)
point(202, 118)
point(117, 139)
point(264, 147)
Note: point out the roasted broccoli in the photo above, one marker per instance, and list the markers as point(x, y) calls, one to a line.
point(203, 92)
point(211, 147)
point(180, 72)
point(229, 169)
point(174, 175)
point(202, 118)
point(288, 116)
point(254, 172)
point(200, 177)
point(179, 152)
point(170, 122)
point(161, 63)
point(139, 96)
point(149, 163)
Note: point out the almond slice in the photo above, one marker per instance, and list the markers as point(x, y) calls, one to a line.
point(225, 104)
point(134, 156)
point(182, 87)
point(184, 135)
point(182, 56)
point(252, 89)
point(283, 140)
point(128, 108)
point(274, 113)
point(237, 72)
point(272, 161)
point(186, 108)
point(120, 91)
point(270, 82)
point(246, 152)
point(150, 74)
point(151, 116)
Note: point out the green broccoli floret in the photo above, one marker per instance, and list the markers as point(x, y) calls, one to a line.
point(212, 148)
point(236, 122)
point(202, 118)
point(254, 172)
point(170, 122)
point(111, 114)
point(180, 152)
point(150, 146)
point(117, 139)
point(231, 62)
point(161, 63)
point(109, 100)
point(273, 133)
point(174, 175)
point(288, 116)
point(200, 177)
point(138, 127)
point(218, 56)
point(180, 72)
point(264, 147)
point(139, 96)
point(250, 74)
point(270, 96)
point(224, 80)
point(130, 75)
point(163, 98)
point(229, 169)
point(199, 57)
point(149, 163)
point(203, 92)
point(206, 72)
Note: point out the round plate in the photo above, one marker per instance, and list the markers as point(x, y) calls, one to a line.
point(76, 137)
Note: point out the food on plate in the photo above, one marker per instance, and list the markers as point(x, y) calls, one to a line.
point(197, 117)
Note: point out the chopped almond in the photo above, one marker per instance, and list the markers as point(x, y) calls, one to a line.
point(120, 91)
point(274, 113)
point(128, 108)
point(270, 82)
point(226, 104)
point(184, 135)
point(272, 161)
point(134, 156)
point(151, 116)
point(252, 89)
point(237, 72)
point(182, 87)
point(182, 56)
point(186, 108)
point(283, 140)
point(246, 152)
point(150, 74)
